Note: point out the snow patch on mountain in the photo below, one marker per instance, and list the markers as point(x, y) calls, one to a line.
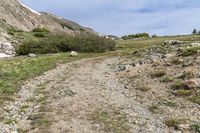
point(30, 9)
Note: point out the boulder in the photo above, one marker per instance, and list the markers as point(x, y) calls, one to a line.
point(74, 53)
point(31, 55)
point(172, 42)
point(120, 68)
point(195, 44)
point(6, 47)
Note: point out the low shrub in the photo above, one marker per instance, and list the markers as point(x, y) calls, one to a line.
point(177, 85)
point(40, 29)
point(195, 127)
point(13, 30)
point(67, 26)
point(154, 109)
point(166, 79)
point(189, 51)
point(172, 123)
point(158, 73)
point(143, 88)
point(183, 92)
point(53, 43)
point(39, 34)
point(186, 75)
point(195, 99)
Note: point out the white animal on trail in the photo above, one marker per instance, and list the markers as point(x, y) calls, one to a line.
point(74, 53)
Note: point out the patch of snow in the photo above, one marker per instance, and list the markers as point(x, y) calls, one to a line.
point(30, 9)
point(3, 55)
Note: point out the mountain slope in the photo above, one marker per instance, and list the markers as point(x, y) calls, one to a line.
point(24, 18)
point(13, 14)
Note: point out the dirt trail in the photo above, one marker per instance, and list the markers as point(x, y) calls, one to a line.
point(79, 97)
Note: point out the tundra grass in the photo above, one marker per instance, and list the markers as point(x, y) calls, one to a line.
point(127, 46)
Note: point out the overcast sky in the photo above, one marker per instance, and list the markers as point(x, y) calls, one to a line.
point(120, 17)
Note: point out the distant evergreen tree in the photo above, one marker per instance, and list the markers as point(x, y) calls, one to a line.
point(198, 32)
point(194, 31)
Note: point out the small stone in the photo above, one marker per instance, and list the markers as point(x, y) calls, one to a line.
point(31, 55)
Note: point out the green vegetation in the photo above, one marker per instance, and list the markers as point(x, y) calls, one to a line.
point(39, 34)
point(183, 92)
point(166, 79)
point(169, 103)
point(188, 89)
point(186, 75)
point(189, 51)
point(195, 99)
point(139, 35)
point(64, 25)
point(194, 31)
point(143, 88)
point(127, 46)
point(158, 73)
point(13, 30)
point(177, 85)
point(173, 122)
point(54, 43)
point(195, 127)
point(154, 109)
point(40, 29)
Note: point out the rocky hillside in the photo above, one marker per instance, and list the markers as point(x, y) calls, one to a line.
point(19, 16)
point(24, 18)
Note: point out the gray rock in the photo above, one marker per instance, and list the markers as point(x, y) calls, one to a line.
point(121, 68)
point(195, 44)
point(172, 42)
point(32, 55)
point(69, 93)
point(6, 47)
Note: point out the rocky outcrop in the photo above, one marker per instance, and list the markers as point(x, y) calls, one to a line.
point(6, 46)
point(172, 42)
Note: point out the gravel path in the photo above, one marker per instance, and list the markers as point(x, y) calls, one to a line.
point(79, 97)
